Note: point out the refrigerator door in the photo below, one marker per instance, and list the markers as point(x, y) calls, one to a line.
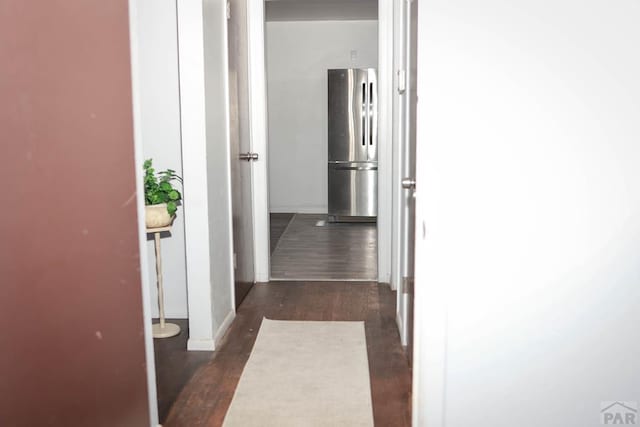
point(353, 189)
point(372, 112)
point(348, 115)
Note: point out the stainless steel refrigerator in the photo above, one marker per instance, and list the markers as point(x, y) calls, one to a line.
point(353, 143)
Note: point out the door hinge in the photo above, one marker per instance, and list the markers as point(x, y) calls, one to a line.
point(228, 10)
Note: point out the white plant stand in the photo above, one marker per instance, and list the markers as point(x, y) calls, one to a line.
point(162, 329)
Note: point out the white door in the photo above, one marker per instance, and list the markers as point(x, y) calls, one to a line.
point(408, 171)
point(240, 150)
point(527, 295)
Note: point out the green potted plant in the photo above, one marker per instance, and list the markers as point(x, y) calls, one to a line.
point(160, 197)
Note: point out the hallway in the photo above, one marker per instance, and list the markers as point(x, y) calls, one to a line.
point(205, 399)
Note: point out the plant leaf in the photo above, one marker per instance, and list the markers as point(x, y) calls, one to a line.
point(172, 208)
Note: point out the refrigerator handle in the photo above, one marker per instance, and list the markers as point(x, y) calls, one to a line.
point(370, 111)
point(364, 115)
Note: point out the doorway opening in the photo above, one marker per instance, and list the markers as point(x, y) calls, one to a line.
point(321, 63)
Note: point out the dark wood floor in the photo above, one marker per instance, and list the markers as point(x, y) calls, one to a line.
point(334, 251)
point(175, 366)
point(278, 223)
point(205, 399)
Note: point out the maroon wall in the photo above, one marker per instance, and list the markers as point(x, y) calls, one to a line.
point(71, 337)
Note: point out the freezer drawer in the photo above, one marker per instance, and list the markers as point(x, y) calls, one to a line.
point(353, 189)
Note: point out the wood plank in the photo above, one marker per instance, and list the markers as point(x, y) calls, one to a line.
point(278, 223)
point(336, 251)
point(175, 366)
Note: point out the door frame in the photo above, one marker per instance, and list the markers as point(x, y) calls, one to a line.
point(403, 237)
point(138, 155)
point(258, 135)
point(430, 298)
point(401, 140)
point(259, 138)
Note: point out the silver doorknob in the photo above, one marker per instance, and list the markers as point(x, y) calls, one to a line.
point(248, 156)
point(409, 183)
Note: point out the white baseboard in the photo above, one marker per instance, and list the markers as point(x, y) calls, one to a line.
point(403, 338)
point(200, 345)
point(210, 345)
point(223, 328)
point(177, 316)
point(384, 277)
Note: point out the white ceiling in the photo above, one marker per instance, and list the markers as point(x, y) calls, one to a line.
point(320, 10)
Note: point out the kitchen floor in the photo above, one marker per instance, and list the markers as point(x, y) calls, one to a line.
point(310, 248)
point(278, 224)
point(206, 398)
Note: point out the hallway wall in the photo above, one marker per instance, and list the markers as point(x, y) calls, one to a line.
point(204, 117)
point(160, 130)
point(298, 56)
point(218, 164)
point(528, 196)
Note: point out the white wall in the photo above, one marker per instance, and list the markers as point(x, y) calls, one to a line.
point(205, 151)
point(194, 158)
point(206, 244)
point(218, 167)
point(134, 35)
point(385, 139)
point(529, 189)
point(298, 56)
point(321, 10)
point(158, 94)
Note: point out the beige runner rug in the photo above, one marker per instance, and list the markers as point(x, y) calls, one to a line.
point(304, 374)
